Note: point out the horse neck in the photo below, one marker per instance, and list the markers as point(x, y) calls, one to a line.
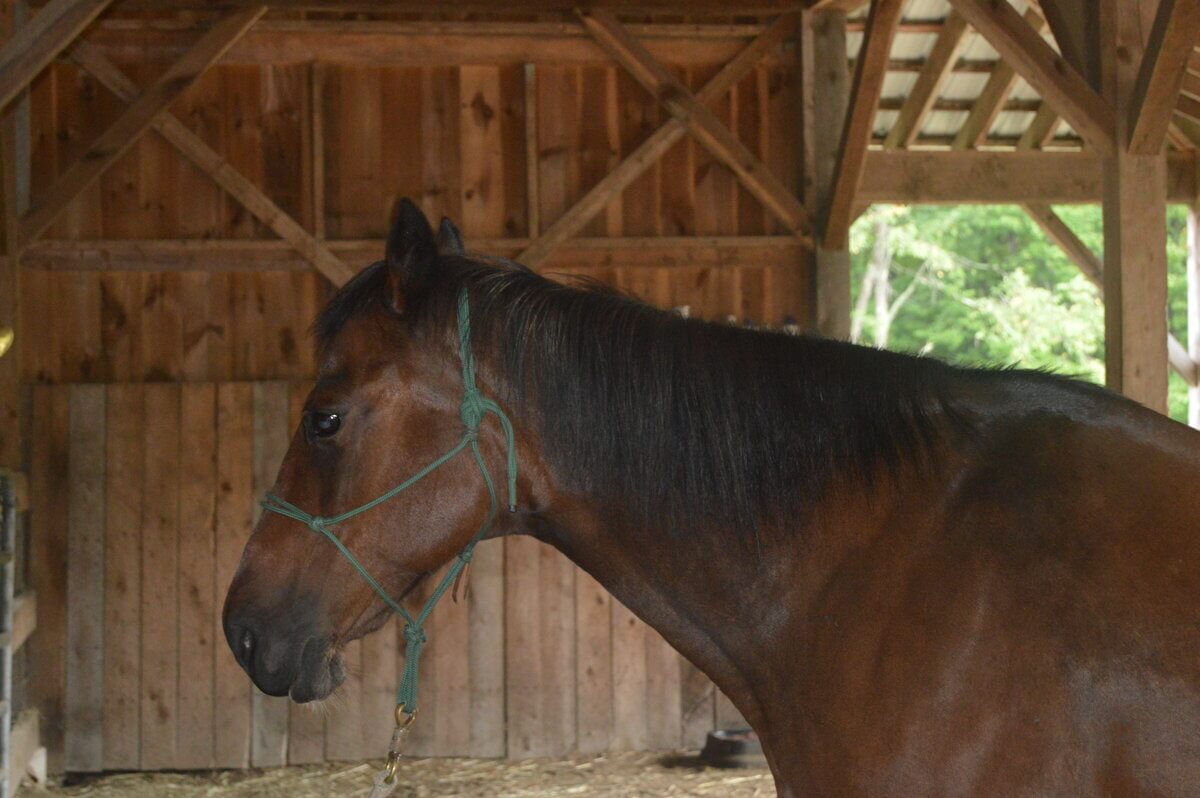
point(739, 611)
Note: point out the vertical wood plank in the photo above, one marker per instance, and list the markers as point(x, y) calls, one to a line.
point(48, 560)
point(481, 145)
point(486, 657)
point(593, 679)
point(558, 689)
point(197, 597)
point(477, 690)
point(234, 516)
point(630, 731)
point(343, 727)
point(272, 406)
point(441, 167)
point(529, 75)
point(402, 102)
point(125, 465)
point(380, 675)
point(316, 140)
point(160, 567)
point(85, 581)
point(522, 647)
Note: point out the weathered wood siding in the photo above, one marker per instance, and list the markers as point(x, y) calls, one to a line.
point(453, 138)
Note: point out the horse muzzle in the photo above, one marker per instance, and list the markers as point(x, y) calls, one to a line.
point(290, 661)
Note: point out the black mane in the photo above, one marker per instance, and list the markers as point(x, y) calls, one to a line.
point(678, 423)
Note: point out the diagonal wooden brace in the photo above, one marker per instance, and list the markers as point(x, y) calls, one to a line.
point(121, 134)
point(212, 163)
point(652, 148)
point(36, 44)
point(699, 120)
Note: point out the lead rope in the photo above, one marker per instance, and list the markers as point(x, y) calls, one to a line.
point(473, 410)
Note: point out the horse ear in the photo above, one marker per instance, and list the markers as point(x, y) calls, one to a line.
point(411, 254)
point(449, 240)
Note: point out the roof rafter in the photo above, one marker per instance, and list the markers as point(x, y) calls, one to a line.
point(929, 83)
point(1045, 70)
point(990, 101)
point(1160, 78)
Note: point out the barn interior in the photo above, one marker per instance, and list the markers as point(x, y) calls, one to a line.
point(185, 183)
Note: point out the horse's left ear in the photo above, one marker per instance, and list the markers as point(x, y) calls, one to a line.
point(411, 255)
point(449, 240)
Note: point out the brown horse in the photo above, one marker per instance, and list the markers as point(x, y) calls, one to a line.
point(912, 579)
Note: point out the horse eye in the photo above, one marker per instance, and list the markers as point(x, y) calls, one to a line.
point(323, 425)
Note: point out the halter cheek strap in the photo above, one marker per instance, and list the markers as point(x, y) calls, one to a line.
point(473, 410)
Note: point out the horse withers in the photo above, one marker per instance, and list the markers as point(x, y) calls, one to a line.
point(911, 578)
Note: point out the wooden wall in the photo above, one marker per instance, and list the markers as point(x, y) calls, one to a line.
point(452, 138)
point(164, 399)
point(144, 494)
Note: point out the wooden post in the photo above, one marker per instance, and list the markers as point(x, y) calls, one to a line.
point(1193, 287)
point(825, 92)
point(12, 419)
point(1135, 234)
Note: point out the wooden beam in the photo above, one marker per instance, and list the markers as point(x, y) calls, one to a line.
point(216, 166)
point(1041, 129)
point(1135, 234)
point(27, 53)
point(426, 43)
point(929, 83)
point(231, 255)
point(121, 134)
point(1061, 178)
point(1045, 70)
point(844, 6)
point(825, 96)
point(650, 150)
point(860, 120)
point(700, 121)
point(990, 100)
point(1092, 267)
point(692, 8)
point(1176, 31)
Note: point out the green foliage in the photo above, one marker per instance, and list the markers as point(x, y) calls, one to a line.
point(992, 289)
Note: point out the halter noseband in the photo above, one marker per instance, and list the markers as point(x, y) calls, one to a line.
point(474, 408)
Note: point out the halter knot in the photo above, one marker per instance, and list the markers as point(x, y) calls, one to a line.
point(414, 634)
point(319, 524)
point(466, 554)
point(471, 411)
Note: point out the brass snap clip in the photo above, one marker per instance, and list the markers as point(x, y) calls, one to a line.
point(404, 720)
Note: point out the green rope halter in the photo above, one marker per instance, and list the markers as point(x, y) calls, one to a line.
point(473, 410)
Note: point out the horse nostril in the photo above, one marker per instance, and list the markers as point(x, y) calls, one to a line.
point(244, 648)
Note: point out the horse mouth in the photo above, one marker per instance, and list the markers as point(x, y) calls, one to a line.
point(321, 672)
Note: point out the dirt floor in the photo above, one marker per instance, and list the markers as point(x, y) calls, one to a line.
point(611, 775)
